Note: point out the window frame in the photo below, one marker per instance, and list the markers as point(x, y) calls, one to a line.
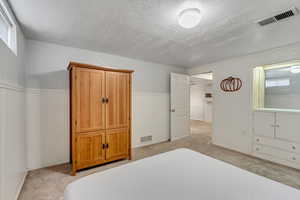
point(259, 84)
point(11, 42)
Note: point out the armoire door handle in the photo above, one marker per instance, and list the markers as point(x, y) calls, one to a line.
point(103, 100)
point(103, 146)
point(107, 146)
point(106, 100)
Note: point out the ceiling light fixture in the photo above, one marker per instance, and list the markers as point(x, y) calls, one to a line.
point(189, 18)
point(295, 69)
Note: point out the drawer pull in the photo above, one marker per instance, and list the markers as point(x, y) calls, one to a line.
point(294, 158)
point(257, 140)
point(293, 147)
point(257, 149)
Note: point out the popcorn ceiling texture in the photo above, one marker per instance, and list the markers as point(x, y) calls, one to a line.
point(148, 29)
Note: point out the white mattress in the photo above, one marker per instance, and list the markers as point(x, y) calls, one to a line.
point(178, 175)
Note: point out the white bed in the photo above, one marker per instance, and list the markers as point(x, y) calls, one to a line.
point(178, 175)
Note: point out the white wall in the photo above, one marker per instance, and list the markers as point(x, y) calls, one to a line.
point(197, 102)
point(232, 113)
point(200, 108)
point(12, 125)
point(48, 99)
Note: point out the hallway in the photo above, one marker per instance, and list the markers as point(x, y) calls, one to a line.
point(200, 127)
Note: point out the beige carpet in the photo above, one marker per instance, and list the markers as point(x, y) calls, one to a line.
point(49, 183)
point(200, 127)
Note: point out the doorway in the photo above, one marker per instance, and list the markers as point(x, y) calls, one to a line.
point(201, 104)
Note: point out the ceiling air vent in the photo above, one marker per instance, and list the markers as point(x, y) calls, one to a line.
point(284, 15)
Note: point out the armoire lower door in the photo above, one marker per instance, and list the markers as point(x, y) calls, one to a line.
point(90, 149)
point(118, 143)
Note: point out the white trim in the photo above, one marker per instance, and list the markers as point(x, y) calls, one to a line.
point(11, 86)
point(178, 138)
point(21, 186)
point(151, 142)
point(43, 91)
point(2, 147)
point(33, 91)
point(6, 88)
point(7, 15)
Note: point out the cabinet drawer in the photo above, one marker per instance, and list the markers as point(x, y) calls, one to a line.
point(280, 144)
point(277, 153)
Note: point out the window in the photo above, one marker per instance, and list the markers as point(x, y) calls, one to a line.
point(277, 82)
point(277, 86)
point(7, 28)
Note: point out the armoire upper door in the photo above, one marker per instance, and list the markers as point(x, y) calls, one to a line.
point(90, 93)
point(118, 94)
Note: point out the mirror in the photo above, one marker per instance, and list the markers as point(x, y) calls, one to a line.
point(277, 86)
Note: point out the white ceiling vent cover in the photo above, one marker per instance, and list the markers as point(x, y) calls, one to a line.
point(281, 16)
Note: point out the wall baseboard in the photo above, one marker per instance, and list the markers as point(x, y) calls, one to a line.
point(21, 185)
point(151, 143)
point(178, 138)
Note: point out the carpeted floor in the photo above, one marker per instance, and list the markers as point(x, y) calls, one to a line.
point(49, 183)
point(200, 127)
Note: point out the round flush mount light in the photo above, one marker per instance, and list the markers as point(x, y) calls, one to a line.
point(189, 18)
point(295, 69)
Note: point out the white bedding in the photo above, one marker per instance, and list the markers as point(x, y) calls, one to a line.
point(178, 175)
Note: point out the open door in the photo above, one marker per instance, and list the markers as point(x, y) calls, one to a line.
point(180, 105)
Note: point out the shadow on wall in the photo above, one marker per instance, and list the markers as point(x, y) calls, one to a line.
point(50, 80)
point(48, 119)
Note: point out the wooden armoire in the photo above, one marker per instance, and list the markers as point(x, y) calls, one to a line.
point(100, 101)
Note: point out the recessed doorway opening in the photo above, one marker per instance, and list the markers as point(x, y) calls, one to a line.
point(201, 104)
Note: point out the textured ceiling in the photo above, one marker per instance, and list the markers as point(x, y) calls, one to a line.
point(148, 29)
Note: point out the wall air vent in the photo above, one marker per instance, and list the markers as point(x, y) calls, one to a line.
point(146, 138)
point(281, 16)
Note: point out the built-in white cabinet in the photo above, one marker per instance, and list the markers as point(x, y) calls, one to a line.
point(264, 124)
point(288, 126)
point(276, 137)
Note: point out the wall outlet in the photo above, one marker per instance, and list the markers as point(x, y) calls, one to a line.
point(146, 138)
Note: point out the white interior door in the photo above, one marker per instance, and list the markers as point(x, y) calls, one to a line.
point(180, 104)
